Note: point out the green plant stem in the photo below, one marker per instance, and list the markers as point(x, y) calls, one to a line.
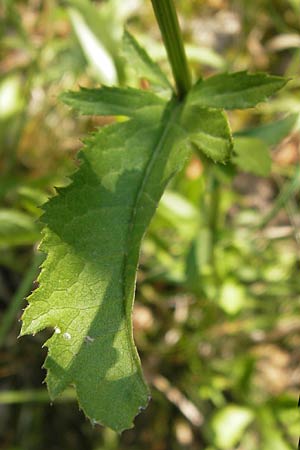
point(34, 396)
point(15, 304)
point(167, 20)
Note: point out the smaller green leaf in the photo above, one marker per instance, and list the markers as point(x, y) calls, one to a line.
point(96, 54)
point(17, 228)
point(235, 90)
point(93, 25)
point(111, 101)
point(252, 155)
point(205, 55)
point(209, 130)
point(272, 133)
point(139, 59)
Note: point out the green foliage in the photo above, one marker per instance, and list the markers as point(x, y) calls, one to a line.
point(93, 27)
point(93, 234)
point(136, 56)
point(209, 131)
point(112, 101)
point(229, 425)
point(94, 228)
point(252, 155)
point(217, 288)
point(17, 228)
point(92, 264)
point(272, 133)
point(235, 90)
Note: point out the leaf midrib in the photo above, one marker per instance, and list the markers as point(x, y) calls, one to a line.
point(173, 114)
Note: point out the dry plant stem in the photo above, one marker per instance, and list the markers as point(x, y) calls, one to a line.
point(173, 394)
point(167, 20)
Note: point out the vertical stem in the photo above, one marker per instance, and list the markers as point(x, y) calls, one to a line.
point(167, 20)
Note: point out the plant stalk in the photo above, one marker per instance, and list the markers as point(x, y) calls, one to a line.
point(167, 20)
point(34, 396)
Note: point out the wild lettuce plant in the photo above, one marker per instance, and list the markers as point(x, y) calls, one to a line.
point(94, 227)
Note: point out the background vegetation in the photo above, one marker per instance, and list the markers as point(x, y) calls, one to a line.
point(217, 311)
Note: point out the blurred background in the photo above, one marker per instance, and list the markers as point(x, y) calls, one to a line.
point(217, 313)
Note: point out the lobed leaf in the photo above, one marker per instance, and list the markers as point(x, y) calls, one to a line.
point(92, 238)
point(235, 90)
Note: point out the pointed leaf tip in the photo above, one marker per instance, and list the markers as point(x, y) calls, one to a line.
point(238, 90)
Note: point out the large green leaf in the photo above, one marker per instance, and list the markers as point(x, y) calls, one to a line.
point(92, 238)
point(235, 90)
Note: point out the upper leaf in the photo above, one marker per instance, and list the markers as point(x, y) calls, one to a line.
point(235, 90)
point(111, 101)
point(93, 234)
point(139, 59)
